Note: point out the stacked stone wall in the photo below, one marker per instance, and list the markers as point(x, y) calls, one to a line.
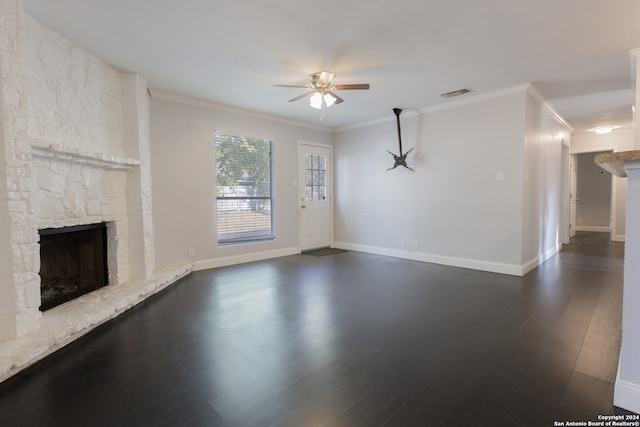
point(74, 150)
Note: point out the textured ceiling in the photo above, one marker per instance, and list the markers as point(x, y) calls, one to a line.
point(576, 52)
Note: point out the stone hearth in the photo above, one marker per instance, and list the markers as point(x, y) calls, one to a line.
point(64, 324)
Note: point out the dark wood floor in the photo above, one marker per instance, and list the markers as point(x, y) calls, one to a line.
point(350, 339)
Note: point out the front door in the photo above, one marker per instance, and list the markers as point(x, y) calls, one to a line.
point(315, 199)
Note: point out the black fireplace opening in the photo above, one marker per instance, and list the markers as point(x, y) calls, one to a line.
point(73, 262)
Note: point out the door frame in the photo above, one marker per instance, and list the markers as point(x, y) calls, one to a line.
point(300, 185)
point(613, 225)
point(567, 179)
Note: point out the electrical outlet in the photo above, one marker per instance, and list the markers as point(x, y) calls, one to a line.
point(415, 243)
point(404, 243)
point(192, 252)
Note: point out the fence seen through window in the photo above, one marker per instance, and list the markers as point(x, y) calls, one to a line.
point(244, 188)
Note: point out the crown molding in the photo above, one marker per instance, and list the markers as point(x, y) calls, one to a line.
point(469, 100)
point(535, 93)
point(408, 113)
point(208, 105)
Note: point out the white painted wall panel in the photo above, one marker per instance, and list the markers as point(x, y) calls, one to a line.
point(452, 204)
point(542, 175)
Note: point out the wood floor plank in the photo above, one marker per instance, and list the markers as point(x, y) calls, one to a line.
point(348, 340)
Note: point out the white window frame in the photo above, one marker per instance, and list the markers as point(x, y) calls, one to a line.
point(234, 204)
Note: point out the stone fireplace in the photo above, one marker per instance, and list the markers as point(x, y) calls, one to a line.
point(74, 151)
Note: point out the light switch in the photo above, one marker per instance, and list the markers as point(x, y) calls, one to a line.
point(500, 176)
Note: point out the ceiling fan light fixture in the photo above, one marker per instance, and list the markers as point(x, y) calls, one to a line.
point(329, 99)
point(320, 91)
point(316, 101)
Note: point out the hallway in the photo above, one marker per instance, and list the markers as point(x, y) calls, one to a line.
point(350, 339)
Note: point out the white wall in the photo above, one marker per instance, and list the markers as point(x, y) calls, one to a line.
point(183, 175)
point(618, 140)
point(452, 204)
point(543, 195)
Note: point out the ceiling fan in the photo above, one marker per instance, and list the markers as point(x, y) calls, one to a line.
point(321, 92)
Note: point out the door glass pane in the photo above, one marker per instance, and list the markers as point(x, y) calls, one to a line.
point(315, 177)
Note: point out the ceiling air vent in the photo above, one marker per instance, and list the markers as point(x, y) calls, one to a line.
point(455, 93)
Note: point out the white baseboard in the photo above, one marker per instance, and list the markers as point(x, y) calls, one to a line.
point(595, 228)
point(530, 265)
point(474, 264)
point(243, 258)
point(536, 261)
point(626, 395)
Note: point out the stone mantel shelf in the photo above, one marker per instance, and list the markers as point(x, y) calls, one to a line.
point(72, 154)
point(615, 162)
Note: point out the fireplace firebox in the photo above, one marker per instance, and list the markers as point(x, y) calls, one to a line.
point(73, 262)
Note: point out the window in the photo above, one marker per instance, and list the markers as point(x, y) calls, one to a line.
point(244, 189)
point(315, 177)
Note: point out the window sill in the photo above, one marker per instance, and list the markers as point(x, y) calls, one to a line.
point(248, 240)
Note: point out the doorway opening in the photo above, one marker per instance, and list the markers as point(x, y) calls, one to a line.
point(593, 196)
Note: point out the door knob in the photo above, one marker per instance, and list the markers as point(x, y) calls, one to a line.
point(304, 206)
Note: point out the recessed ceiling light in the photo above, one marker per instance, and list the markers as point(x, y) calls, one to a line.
point(603, 129)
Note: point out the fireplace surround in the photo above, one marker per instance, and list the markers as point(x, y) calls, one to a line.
point(73, 262)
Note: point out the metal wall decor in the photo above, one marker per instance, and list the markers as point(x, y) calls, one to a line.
point(400, 160)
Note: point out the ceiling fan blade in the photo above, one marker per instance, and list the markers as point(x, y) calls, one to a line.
point(351, 87)
point(302, 96)
point(338, 99)
point(325, 78)
point(304, 87)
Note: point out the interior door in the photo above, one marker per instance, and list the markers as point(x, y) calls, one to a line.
point(315, 200)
